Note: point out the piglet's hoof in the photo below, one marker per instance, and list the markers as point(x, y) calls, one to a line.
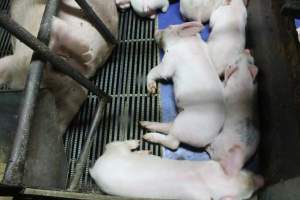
point(151, 86)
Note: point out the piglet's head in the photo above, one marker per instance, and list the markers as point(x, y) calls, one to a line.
point(171, 34)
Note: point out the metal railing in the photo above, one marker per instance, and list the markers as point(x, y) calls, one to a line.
point(15, 168)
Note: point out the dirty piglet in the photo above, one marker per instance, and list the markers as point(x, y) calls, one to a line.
point(119, 171)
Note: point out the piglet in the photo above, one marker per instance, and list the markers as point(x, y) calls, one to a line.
point(199, 10)
point(239, 138)
point(227, 38)
point(119, 171)
point(144, 8)
point(197, 88)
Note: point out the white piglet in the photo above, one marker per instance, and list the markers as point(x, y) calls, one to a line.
point(119, 171)
point(239, 138)
point(199, 10)
point(227, 38)
point(197, 88)
point(144, 8)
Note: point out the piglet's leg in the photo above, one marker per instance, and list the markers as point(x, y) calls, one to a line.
point(68, 40)
point(156, 126)
point(161, 71)
point(165, 140)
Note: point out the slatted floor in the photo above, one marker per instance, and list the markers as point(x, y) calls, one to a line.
point(123, 77)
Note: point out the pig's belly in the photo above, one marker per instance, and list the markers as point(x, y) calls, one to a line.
point(197, 93)
point(81, 27)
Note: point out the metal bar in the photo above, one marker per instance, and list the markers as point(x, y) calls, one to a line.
point(87, 147)
point(96, 21)
point(15, 168)
point(44, 53)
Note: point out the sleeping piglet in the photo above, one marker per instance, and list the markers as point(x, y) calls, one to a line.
point(240, 135)
point(197, 88)
point(144, 8)
point(227, 38)
point(119, 171)
point(199, 10)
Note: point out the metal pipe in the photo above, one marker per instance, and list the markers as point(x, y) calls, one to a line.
point(15, 168)
point(96, 21)
point(87, 147)
point(44, 53)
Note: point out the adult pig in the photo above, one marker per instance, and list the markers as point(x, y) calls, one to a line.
point(72, 37)
point(119, 171)
point(197, 88)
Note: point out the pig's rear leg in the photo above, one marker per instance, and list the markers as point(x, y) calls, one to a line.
point(166, 140)
point(66, 39)
point(156, 126)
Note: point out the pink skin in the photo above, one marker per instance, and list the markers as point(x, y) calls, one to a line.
point(144, 8)
point(147, 176)
point(203, 106)
point(239, 137)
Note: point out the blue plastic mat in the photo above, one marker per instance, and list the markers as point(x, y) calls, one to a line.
point(166, 91)
point(297, 23)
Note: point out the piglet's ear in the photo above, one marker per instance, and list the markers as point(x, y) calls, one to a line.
point(229, 71)
point(233, 162)
point(253, 71)
point(189, 29)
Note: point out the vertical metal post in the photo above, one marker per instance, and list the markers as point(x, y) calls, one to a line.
point(15, 168)
point(87, 146)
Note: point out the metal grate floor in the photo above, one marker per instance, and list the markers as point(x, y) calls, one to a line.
point(123, 77)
